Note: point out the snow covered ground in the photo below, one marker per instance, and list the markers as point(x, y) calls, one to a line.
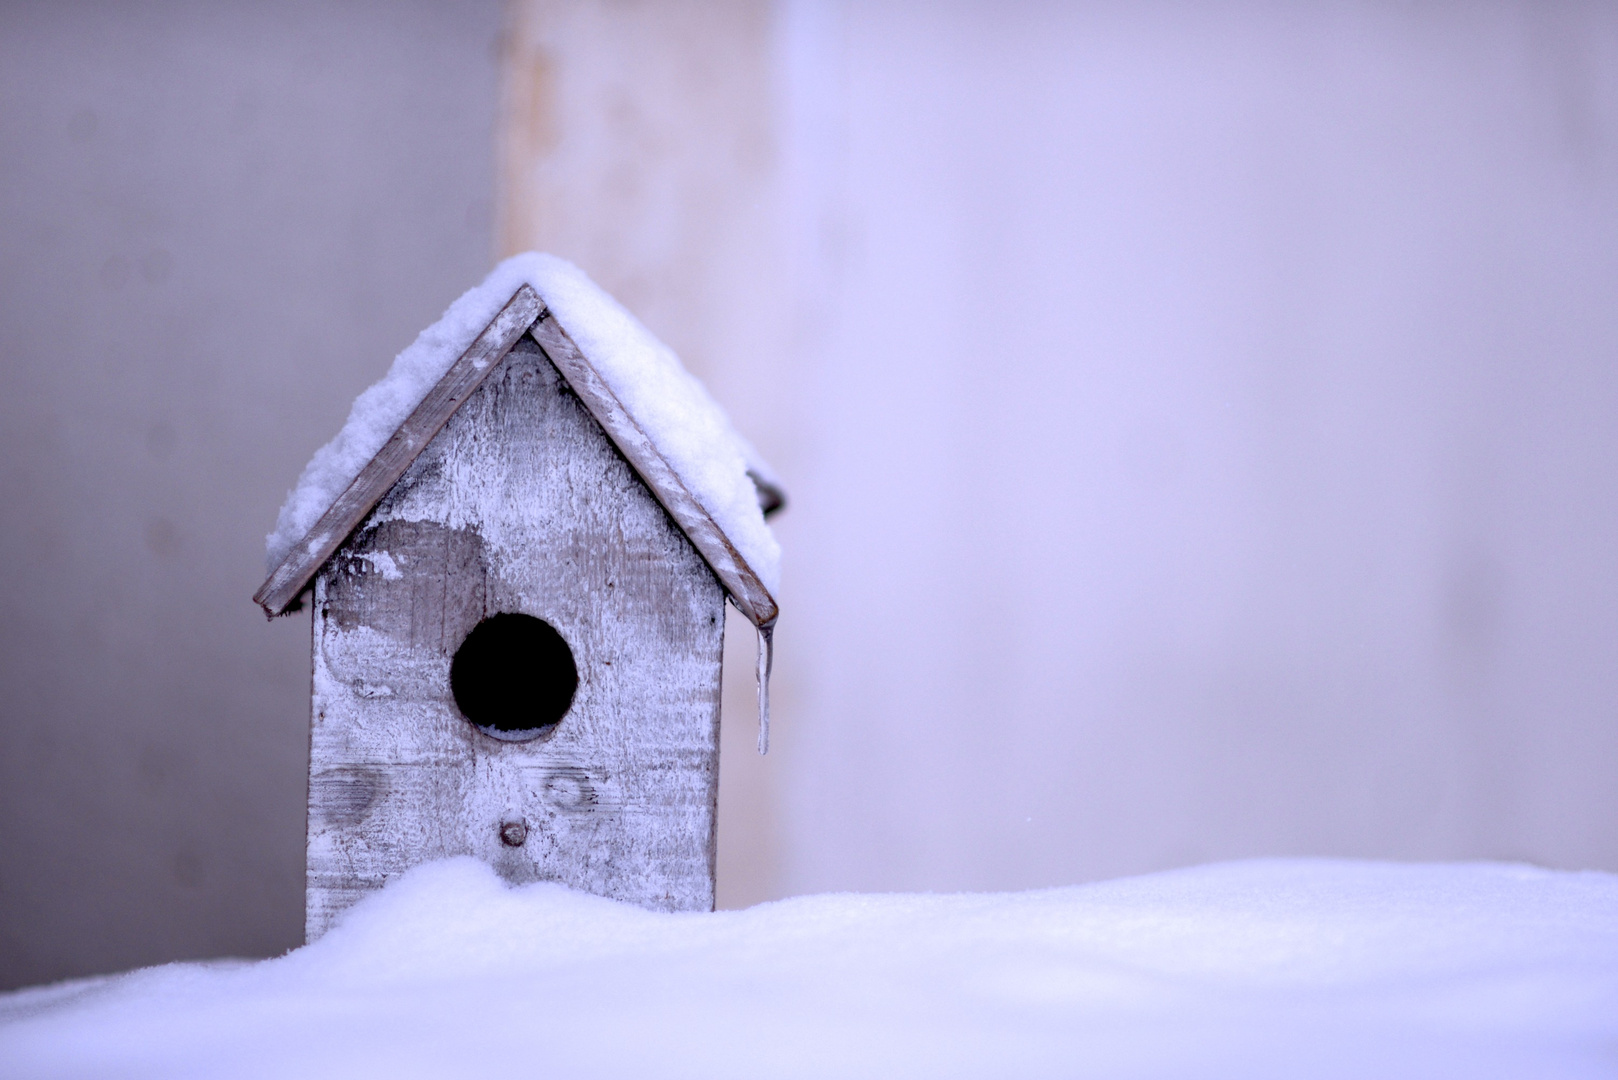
point(1280, 968)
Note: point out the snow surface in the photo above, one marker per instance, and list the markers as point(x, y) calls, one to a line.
point(1286, 968)
point(671, 406)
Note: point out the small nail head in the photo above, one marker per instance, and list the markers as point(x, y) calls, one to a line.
point(513, 834)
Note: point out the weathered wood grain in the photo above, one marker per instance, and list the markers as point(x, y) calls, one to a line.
point(520, 503)
point(748, 593)
point(289, 579)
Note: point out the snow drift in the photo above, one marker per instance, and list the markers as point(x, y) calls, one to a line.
point(1259, 969)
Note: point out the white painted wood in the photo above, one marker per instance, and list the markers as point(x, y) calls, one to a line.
point(520, 503)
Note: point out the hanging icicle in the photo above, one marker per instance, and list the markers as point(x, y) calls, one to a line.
point(766, 660)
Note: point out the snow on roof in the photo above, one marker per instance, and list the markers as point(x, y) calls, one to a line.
point(1265, 969)
point(684, 423)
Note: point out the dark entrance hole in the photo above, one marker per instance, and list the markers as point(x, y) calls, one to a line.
point(514, 677)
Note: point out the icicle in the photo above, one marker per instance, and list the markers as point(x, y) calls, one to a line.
point(766, 660)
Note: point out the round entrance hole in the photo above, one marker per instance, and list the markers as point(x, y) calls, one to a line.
point(513, 677)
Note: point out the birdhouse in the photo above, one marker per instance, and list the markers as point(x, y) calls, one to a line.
point(518, 554)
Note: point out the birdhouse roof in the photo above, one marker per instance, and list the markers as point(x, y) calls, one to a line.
point(709, 479)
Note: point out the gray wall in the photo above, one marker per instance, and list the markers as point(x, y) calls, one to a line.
point(219, 221)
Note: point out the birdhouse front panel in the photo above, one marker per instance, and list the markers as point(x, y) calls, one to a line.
point(517, 657)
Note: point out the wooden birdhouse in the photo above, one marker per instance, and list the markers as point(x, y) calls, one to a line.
point(518, 601)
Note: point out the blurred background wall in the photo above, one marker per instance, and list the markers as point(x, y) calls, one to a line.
point(1199, 418)
point(1211, 439)
point(219, 221)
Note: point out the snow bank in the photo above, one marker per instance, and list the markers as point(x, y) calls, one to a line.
point(685, 424)
point(1288, 969)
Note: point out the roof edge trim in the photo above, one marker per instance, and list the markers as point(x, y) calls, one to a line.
point(288, 581)
point(747, 591)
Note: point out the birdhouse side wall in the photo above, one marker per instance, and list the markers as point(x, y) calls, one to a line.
point(519, 504)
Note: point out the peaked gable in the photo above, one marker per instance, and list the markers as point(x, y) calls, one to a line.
point(524, 312)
